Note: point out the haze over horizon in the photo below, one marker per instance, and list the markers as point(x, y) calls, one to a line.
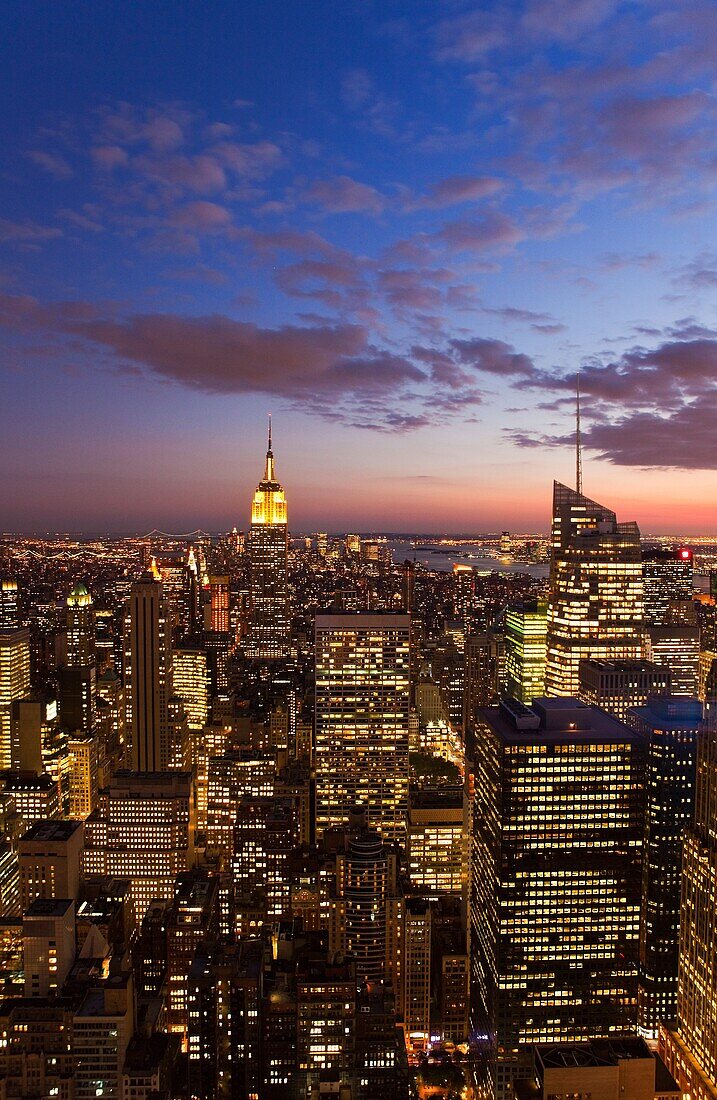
point(400, 228)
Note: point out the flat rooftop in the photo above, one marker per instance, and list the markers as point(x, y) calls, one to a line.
point(554, 721)
point(51, 831)
point(50, 907)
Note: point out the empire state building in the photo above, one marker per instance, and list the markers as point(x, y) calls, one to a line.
point(267, 544)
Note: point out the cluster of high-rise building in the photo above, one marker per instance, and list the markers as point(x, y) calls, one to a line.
point(282, 818)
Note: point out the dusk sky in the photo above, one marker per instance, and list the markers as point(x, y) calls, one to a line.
point(400, 227)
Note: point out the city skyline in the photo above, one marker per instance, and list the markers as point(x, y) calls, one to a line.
point(401, 232)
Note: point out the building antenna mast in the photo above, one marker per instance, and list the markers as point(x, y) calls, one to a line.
point(578, 439)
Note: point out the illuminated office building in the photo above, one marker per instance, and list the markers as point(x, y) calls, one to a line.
point(49, 855)
point(417, 972)
point(556, 880)
point(84, 758)
point(265, 835)
point(436, 850)
point(670, 727)
point(80, 628)
point(192, 922)
point(525, 641)
point(219, 637)
point(617, 686)
point(9, 604)
point(48, 932)
point(463, 595)
point(190, 682)
point(677, 647)
point(595, 604)
point(112, 714)
point(14, 683)
point(231, 777)
point(269, 633)
point(690, 1049)
point(36, 797)
point(180, 587)
point(480, 685)
point(365, 880)
point(325, 1018)
point(219, 619)
point(143, 829)
point(668, 580)
point(102, 1028)
point(148, 676)
point(36, 1046)
point(35, 736)
point(77, 697)
point(362, 718)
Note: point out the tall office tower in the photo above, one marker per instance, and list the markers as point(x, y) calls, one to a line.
point(102, 1028)
point(83, 751)
point(148, 677)
point(668, 579)
point(80, 628)
point(14, 683)
point(48, 932)
point(556, 880)
point(480, 685)
point(219, 605)
point(190, 680)
point(269, 633)
point(9, 881)
point(265, 835)
point(595, 605)
point(231, 777)
point(417, 973)
point(677, 647)
point(361, 723)
point(179, 583)
point(365, 880)
point(9, 604)
point(464, 587)
point(325, 1019)
point(670, 727)
point(690, 1050)
point(322, 543)
point(111, 714)
point(224, 989)
point(49, 854)
point(526, 626)
point(436, 849)
point(192, 922)
point(77, 697)
point(143, 829)
point(34, 733)
point(617, 686)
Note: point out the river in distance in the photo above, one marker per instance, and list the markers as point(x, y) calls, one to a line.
point(443, 558)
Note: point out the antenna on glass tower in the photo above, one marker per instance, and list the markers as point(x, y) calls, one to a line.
point(269, 447)
point(578, 440)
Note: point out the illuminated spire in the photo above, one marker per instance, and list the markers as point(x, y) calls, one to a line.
point(269, 504)
point(269, 471)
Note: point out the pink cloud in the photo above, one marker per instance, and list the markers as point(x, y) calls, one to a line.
point(343, 195)
point(202, 215)
point(51, 163)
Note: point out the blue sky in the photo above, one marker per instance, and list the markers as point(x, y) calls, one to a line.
point(400, 227)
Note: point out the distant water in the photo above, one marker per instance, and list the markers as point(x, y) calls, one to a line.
point(442, 559)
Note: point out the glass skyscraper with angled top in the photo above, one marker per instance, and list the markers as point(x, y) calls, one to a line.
point(269, 633)
point(595, 607)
